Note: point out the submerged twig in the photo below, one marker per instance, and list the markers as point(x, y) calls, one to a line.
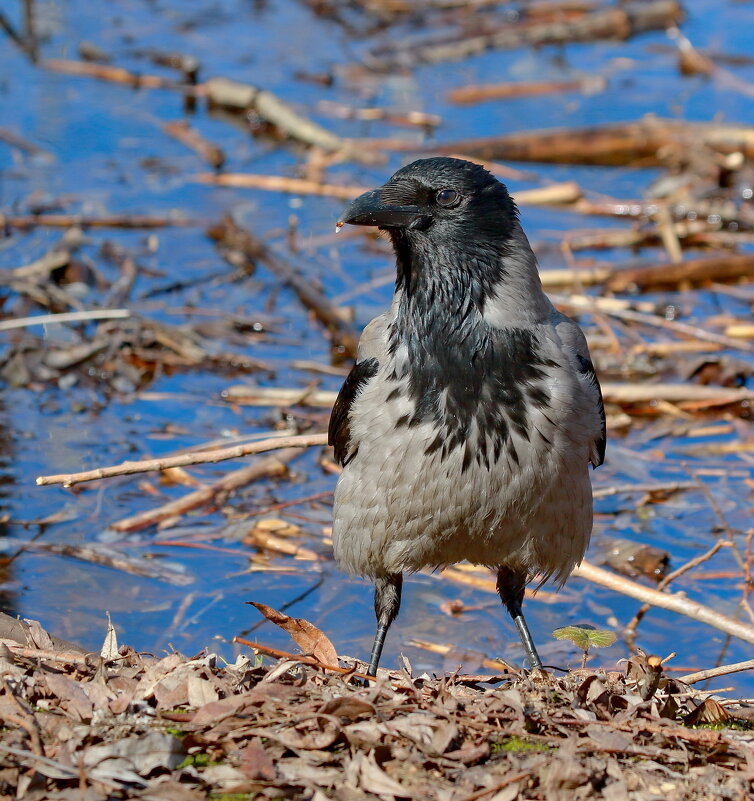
point(234, 236)
point(629, 632)
point(23, 222)
point(184, 133)
point(265, 468)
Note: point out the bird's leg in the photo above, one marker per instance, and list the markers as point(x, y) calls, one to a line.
point(387, 602)
point(510, 586)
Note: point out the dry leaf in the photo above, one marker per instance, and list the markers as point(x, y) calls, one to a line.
point(347, 706)
point(109, 650)
point(709, 712)
point(200, 691)
point(72, 695)
point(177, 476)
point(256, 763)
point(375, 780)
point(306, 635)
point(314, 733)
point(38, 636)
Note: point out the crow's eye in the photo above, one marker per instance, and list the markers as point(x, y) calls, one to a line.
point(448, 198)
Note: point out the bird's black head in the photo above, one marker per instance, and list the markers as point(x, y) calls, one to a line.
point(438, 201)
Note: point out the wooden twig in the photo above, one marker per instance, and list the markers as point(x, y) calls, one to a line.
point(699, 394)
point(24, 222)
point(693, 331)
point(629, 632)
point(651, 140)
point(444, 650)
point(479, 93)
point(271, 466)
point(482, 579)
point(270, 542)
point(14, 139)
point(280, 183)
point(15, 36)
point(721, 267)
point(66, 657)
point(39, 268)
point(183, 460)
point(673, 602)
point(414, 119)
point(675, 486)
point(66, 317)
point(98, 554)
point(713, 673)
point(242, 96)
point(558, 194)
point(511, 778)
point(551, 195)
point(185, 134)
point(611, 22)
point(112, 74)
point(279, 396)
point(304, 659)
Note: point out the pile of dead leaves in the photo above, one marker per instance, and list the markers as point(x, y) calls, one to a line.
point(126, 725)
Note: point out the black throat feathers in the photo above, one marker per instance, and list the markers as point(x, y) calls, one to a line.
point(477, 384)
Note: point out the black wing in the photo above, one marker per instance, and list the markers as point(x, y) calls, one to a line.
point(339, 430)
point(586, 368)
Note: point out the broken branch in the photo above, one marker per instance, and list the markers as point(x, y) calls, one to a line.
point(204, 457)
point(674, 602)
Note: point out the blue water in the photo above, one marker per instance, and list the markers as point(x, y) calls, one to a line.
point(106, 153)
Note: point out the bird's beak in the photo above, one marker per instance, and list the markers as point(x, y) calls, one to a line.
point(368, 209)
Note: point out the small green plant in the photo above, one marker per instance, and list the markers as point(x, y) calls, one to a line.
point(198, 760)
point(584, 636)
point(516, 744)
point(232, 796)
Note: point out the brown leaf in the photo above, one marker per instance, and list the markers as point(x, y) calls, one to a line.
point(644, 674)
point(73, 698)
point(200, 691)
point(215, 711)
point(39, 636)
point(347, 706)
point(171, 692)
point(469, 754)
point(307, 636)
point(256, 763)
point(709, 712)
point(314, 733)
point(374, 780)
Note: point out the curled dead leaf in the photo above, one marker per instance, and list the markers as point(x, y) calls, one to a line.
point(709, 712)
point(314, 733)
point(347, 706)
point(306, 635)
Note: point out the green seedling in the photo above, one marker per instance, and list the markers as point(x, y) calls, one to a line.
point(585, 637)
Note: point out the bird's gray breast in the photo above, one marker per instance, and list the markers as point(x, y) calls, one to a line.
point(479, 390)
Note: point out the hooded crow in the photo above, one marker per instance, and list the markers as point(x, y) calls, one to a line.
point(466, 427)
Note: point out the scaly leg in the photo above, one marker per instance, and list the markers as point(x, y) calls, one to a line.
point(387, 602)
point(510, 586)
